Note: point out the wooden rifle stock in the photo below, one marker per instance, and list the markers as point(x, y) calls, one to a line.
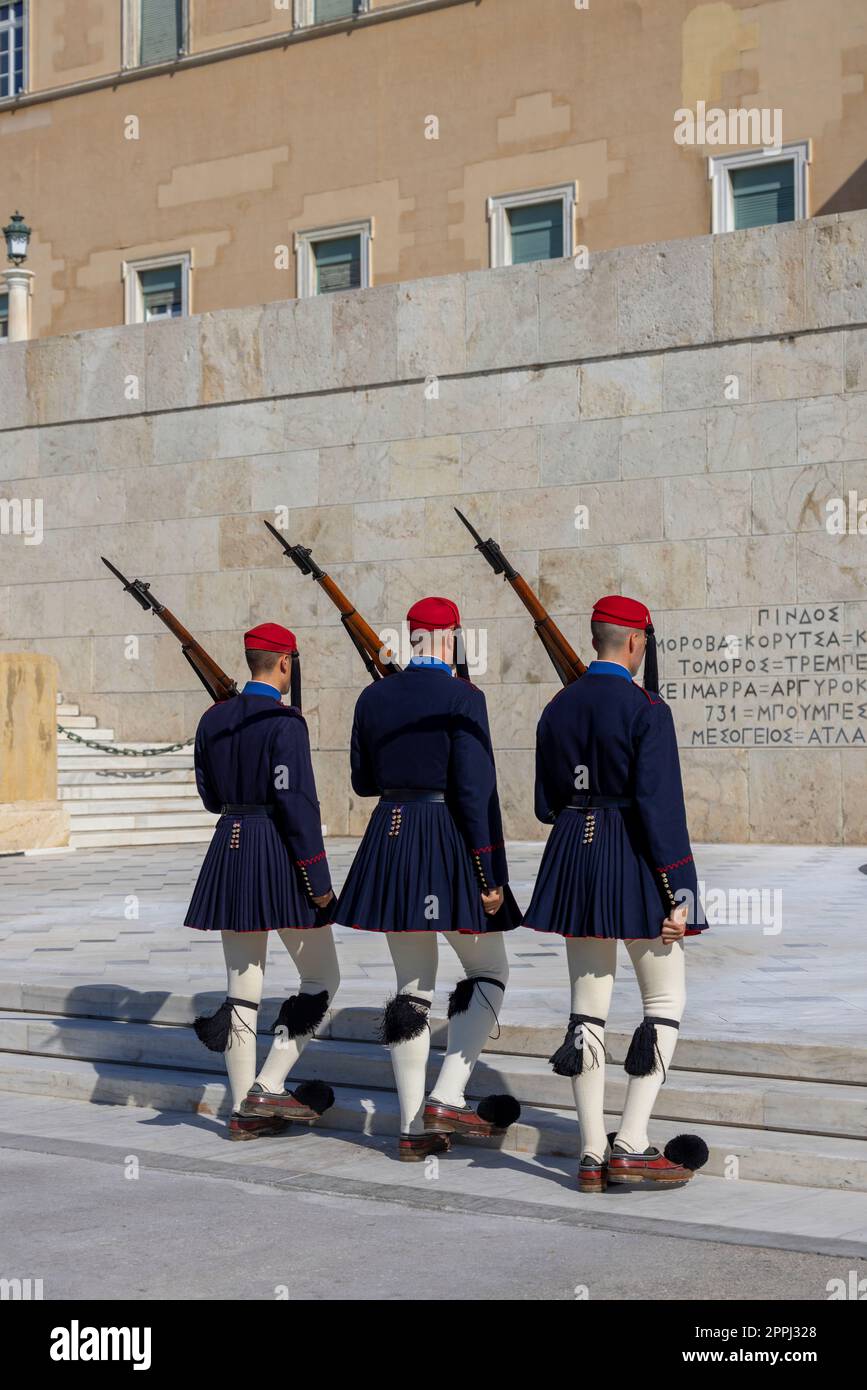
point(218, 685)
point(367, 643)
point(566, 662)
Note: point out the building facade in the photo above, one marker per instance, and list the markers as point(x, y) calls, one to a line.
point(185, 156)
point(684, 421)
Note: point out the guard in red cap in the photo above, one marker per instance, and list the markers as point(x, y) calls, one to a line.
point(618, 866)
point(433, 860)
point(265, 871)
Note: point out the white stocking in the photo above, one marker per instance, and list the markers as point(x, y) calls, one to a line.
point(245, 953)
point(484, 954)
point(415, 961)
point(661, 972)
point(315, 959)
point(592, 965)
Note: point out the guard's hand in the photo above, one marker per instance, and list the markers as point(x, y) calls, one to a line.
point(492, 901)
point(674, 926)
point(324, 898)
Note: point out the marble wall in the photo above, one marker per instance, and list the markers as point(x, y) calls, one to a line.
point(671, 421)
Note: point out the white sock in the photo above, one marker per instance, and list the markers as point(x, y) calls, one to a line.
point(483, 954)
point(312, 951)
point(660, 970)
point(415, 962)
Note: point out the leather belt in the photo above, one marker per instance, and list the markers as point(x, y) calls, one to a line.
point(239, 809)
point(412, 794)
point(592, 802)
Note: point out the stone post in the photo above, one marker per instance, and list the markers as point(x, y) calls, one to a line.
point(31, 817)
point(19, 286)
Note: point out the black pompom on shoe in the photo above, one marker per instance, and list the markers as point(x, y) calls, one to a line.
point(499, 1111)
point(316, 1095)
point(688, 1151)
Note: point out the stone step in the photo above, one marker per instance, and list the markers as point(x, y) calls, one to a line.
point(83, 821)
point(88, 760)
point(687, 1097)
point(760, 1155)
point(67, 711)
point(70, 749)
point(103, 839)
point(360, 1022)
point(115, 772)
point(76, 720)
point(100, 792)
point(82, 810)
point(97, 734)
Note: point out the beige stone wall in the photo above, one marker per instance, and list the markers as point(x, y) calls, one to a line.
point(701, 399)
point(232, 158)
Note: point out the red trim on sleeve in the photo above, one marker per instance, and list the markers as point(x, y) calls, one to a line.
point(315, 860)
point(678, 864)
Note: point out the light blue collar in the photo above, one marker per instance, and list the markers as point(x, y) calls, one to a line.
point(431, 661)
point(261, 688)
point(607, 668)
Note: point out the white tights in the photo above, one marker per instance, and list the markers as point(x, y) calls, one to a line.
point(415, 961)
point(660, 970)
point(315, 958)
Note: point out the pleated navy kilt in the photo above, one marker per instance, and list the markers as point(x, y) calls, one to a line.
point(417, 876)
point(253, 887)
point(605, 888)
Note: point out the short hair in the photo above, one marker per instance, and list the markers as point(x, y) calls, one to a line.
point(260, 662)
point(610, 635)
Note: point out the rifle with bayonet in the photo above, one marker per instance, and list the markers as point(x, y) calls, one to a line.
point(218, 685)
point(566, 662)
point(379, 662)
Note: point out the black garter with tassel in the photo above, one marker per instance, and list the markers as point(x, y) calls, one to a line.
point(462, 994)
point(301, 1014)
point(568, 1060)
point(214, 1030)
point(643, 1054)
point(404, 1017)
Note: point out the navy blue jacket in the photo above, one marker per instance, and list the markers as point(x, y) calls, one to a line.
point(425, 728)
point(625, 739)
point(253, 750)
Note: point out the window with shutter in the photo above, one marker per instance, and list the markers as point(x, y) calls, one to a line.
point(763, 193)
point(4, 316)
point(161, 292)
point(338, 264)
point(536, 232)
point(325, 10)
point(161, 31)
point(11, 49)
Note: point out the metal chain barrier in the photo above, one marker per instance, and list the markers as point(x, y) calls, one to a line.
point(124, 752)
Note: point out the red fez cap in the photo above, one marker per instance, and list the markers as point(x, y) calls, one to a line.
point(621, 612)
point(270, 637)
point(432, 614)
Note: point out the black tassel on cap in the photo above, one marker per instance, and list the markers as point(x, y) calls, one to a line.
point(301, 1014)
point(461, 655)
point(689, 1150)
point(295, 681)
point(499, 1111)
point(404, 1017)
point(317, 1095)
point(214, 1030)
point(651, 669)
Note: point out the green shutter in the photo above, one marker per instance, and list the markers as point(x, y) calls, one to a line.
point(537, 232)
point(338, 264)
point(763, 193)
point(4, 315)
point(325, 10)
point(162, 30)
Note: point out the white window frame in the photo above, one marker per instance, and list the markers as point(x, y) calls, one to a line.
point(305, 260)
point(131, 34)
point(719, 169)
point(133, 296)
point(498, 220)
point(25, 41)
point(304, 11)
